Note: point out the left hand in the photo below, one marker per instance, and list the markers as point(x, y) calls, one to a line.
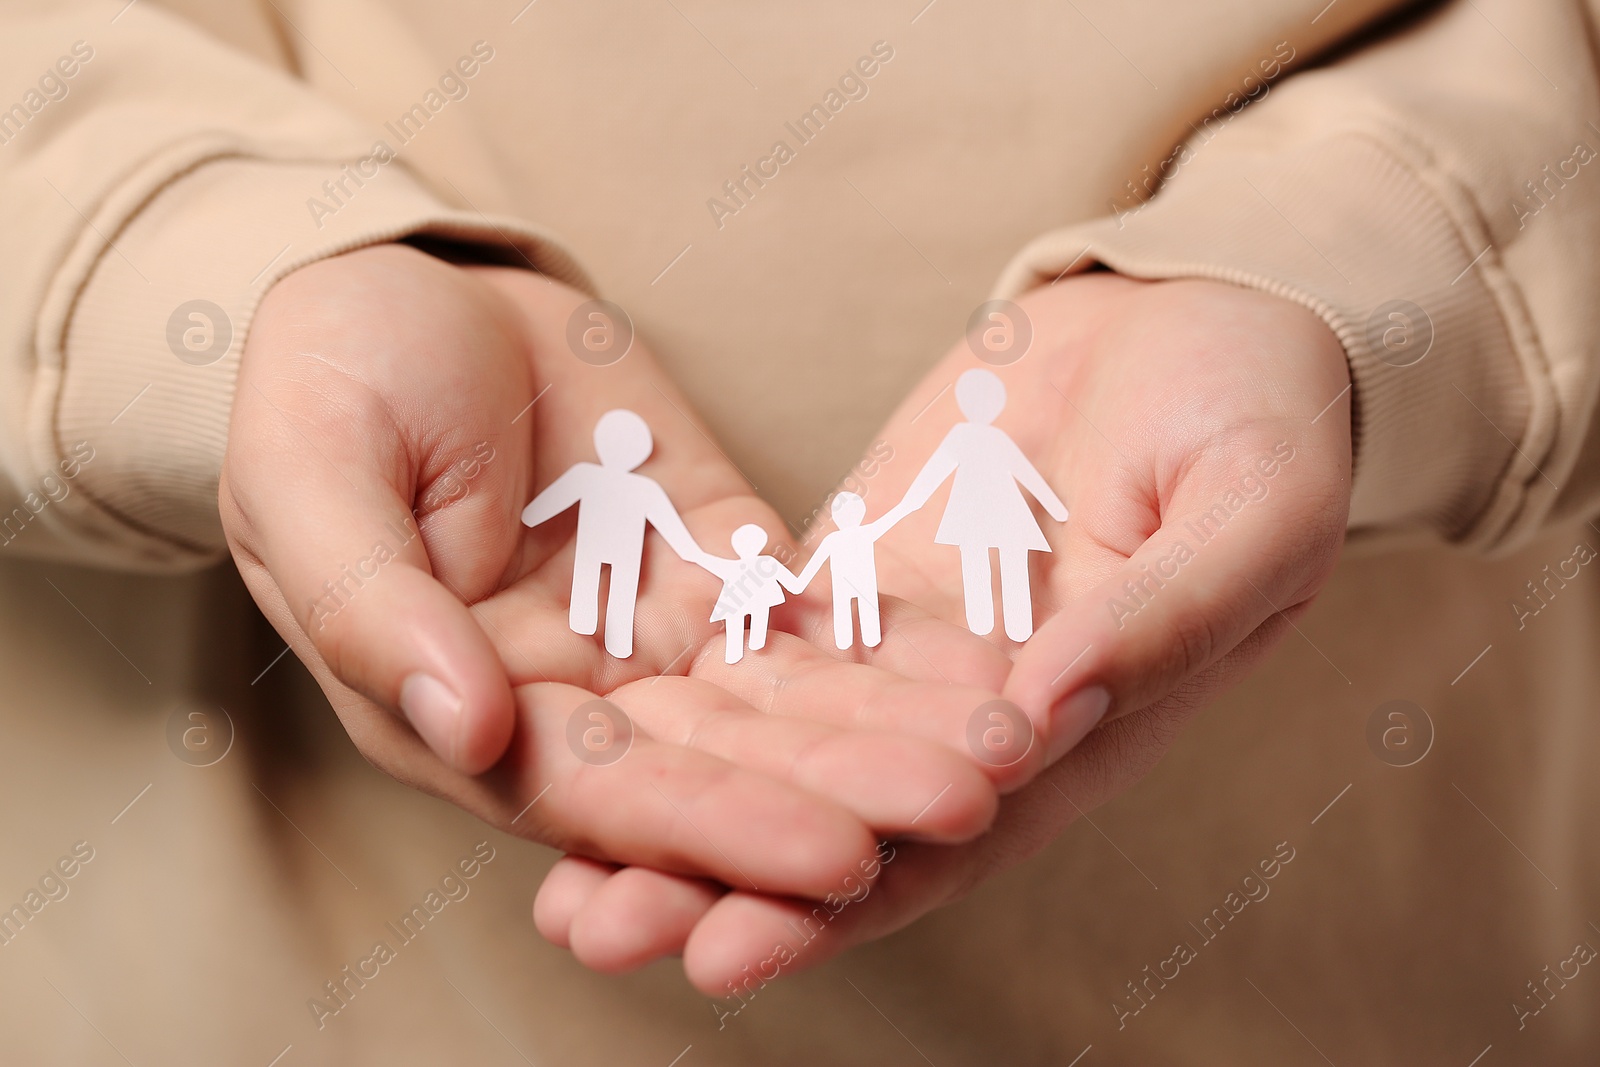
point(385, 438)
point(1149, 406)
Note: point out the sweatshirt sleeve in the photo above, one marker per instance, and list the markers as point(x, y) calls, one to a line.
point(154, 184)
point(1432, 192)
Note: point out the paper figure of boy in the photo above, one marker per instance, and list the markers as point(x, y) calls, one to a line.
point(614, 505)
point(752, 586)
point(987, 510)
point(851, 559)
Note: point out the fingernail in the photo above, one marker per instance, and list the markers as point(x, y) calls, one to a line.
point(434, 711)
point(1072, 719)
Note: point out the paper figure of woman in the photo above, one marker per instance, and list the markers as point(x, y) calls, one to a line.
point(987, 511)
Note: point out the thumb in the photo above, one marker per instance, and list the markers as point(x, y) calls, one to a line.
point(346, 556)
point(1222, 563)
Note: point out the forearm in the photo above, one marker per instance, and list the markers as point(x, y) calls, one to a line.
point(1443, 233)
point(121, 358)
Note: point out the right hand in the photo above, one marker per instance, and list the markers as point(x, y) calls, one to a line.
point(383, 385)
point(1189, 384)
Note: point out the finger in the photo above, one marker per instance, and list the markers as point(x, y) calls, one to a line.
point(345, 554)
point(1218, 566)
point(735, 941)
point(567, 887)
point(894, 783)
point(745, 940)
point(637, 916)
point(611, 792)
point(686, 462)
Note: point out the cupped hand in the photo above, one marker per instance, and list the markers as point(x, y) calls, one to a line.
point(393, 415)
point(1199, 433)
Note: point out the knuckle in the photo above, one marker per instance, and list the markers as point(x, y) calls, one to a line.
point(338, 642)
point(1192, 636)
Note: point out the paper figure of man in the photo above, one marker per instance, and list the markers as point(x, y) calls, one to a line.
point(614, 506)
point(987, 510)
point(852, 561)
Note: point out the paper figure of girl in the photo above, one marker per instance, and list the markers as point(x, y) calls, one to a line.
point(987, 511)
point(752, 586)
point(848, 551)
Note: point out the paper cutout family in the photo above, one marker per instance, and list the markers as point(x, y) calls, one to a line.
point(986, 512)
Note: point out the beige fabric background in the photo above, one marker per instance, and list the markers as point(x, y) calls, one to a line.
point(1417, 906)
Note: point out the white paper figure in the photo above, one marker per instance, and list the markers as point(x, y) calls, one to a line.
point(849, 553)
point(986, 509)
point(614, 504)
point(752, 586)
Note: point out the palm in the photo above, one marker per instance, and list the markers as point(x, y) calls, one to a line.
point(924, 678)
point(1124, 441)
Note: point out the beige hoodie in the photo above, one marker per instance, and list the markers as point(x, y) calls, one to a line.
point(1419, 175)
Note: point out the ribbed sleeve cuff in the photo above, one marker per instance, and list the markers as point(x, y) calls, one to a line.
point(156, 325)
point(1385, 250)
